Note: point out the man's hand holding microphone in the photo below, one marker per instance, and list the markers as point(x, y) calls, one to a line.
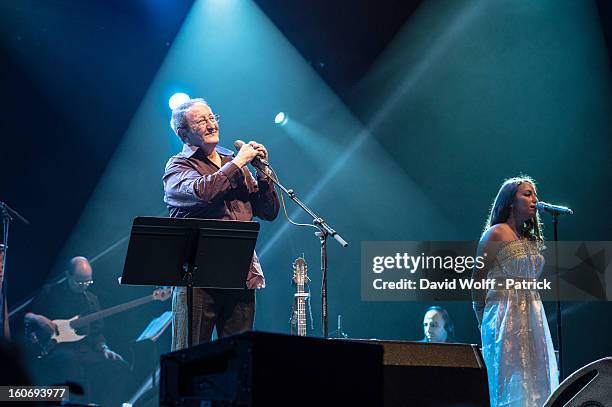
point(254, 153)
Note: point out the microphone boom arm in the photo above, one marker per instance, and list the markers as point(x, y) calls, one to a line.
point(324, 231)
point(316, 220)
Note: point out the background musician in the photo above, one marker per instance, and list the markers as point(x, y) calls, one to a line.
point(87, 361)
point(438, 326)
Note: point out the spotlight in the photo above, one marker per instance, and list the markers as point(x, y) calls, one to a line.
point(281, 118)
point(177, 99)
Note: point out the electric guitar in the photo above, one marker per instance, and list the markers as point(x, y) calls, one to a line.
point(66, 328)
point(301, 297)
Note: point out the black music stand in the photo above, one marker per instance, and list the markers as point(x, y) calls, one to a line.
point(190, 253)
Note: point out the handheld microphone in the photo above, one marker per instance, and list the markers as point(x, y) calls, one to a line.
point(554, 209)
point(257, 162)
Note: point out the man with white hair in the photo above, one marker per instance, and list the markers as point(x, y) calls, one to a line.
point(206, 181)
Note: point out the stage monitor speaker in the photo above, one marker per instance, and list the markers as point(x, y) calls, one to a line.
point(589, 386)
point(265, 369)
point(433, 375)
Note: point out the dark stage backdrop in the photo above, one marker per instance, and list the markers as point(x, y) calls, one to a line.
point(413, 128)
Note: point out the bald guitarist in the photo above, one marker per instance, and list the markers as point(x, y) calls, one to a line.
point(86, 361)
point(66, 300)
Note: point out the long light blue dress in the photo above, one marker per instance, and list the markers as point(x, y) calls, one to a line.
point(516, 342)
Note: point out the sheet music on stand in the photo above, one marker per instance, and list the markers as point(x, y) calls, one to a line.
point(146, 344)
point(156, 327)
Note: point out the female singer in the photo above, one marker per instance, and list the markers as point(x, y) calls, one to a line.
point(516, 343)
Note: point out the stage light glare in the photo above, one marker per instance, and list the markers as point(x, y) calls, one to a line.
point(177, 99)
point(281, 118)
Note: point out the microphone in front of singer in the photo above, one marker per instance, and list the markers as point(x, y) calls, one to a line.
point(260, 161)
point(553, 209)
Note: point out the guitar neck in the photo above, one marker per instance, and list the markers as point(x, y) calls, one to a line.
point(301, 312)
point(88, 319)
point(301, 322)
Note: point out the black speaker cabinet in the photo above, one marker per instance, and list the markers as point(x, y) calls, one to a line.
point(589, 386)
point(433, 375)
point(265, 369)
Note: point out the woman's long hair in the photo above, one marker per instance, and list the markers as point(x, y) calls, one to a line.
point(501, 209)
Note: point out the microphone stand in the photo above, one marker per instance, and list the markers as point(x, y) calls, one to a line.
point(324, 232)
point(7, 214)
point(555, 211)
point(555, 221)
